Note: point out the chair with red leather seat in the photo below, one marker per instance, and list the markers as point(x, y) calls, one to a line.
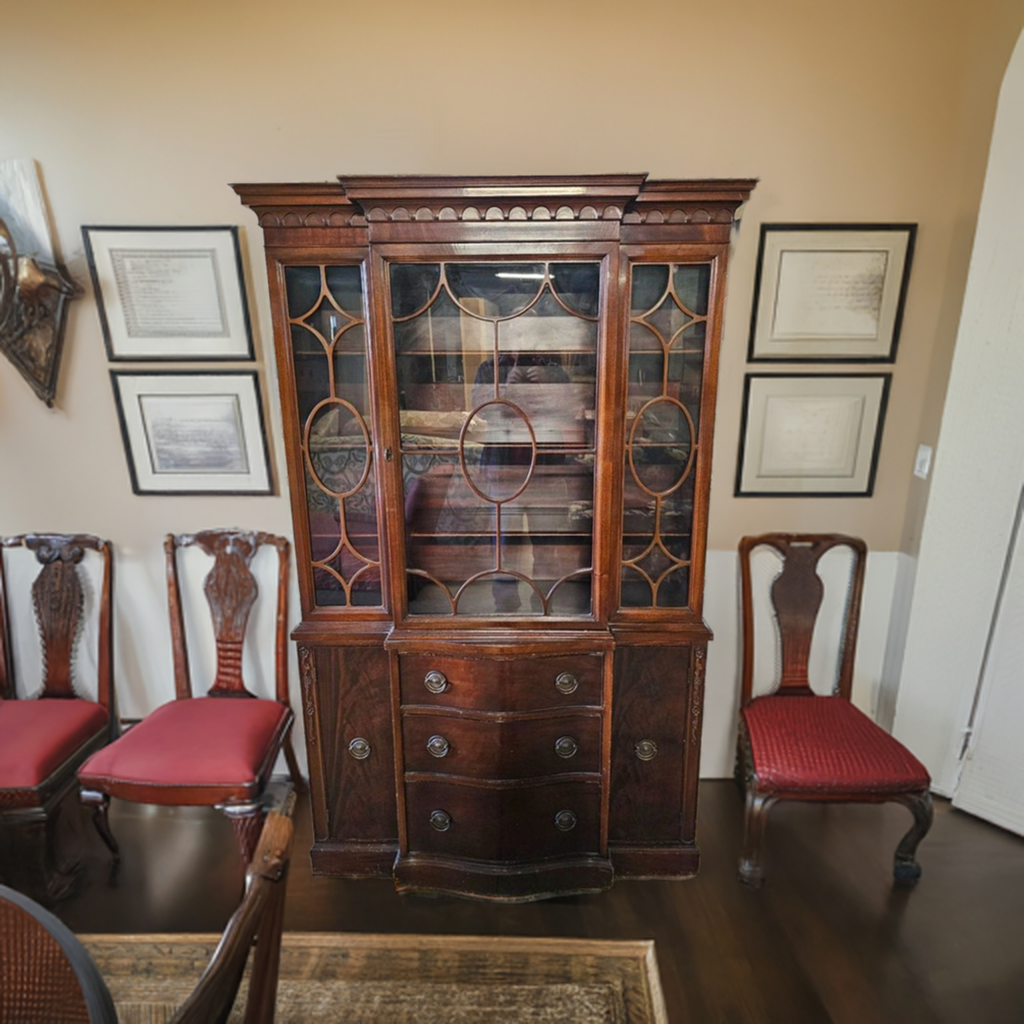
point(218, 750)
point(797, 745)
point(44, 740)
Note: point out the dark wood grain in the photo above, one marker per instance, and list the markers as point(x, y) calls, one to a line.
point(429, 534)
point(502, 746)
point(650, 704)
point(502, 684)
point(796, 595)
point(352, 702)
point(503, 823)
point(231, 591)
point(255, 927)
point(57, 600)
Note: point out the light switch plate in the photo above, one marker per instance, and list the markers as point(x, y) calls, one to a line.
point(923, 461)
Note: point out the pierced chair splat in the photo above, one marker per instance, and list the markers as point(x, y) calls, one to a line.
point(217, 750)
point(795, 744)
point(44, 740)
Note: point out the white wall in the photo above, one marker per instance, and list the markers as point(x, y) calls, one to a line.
point(979, 466)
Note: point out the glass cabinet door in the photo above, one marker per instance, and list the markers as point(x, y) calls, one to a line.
point(667, 329)
point(496, 368)
point(327, 321)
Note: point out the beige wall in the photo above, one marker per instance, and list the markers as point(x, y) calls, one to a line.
point(141, 113)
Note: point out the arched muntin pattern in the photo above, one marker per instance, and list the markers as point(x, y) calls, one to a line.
point(328, 327)
point(668, 318)
point(497, 382)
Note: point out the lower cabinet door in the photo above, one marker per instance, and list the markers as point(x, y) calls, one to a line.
point(651, 712)
point(350, 745)
point(505, 822)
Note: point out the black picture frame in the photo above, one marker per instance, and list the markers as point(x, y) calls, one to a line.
point(830, 293)
point(170, 293)
point(193, 432)
point(825, 443)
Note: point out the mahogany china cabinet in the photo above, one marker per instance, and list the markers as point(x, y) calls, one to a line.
point(498, 396)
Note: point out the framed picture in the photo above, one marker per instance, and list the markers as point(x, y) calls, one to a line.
point(169, 293)
point(830, 292)
point(811, 435)
point(193, 432)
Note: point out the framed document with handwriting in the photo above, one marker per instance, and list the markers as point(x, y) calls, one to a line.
point(830, 292)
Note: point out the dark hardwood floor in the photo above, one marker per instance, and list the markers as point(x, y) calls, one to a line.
point(826, 939)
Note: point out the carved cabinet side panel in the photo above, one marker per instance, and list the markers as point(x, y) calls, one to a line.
point(347, 713)
point(650, 735)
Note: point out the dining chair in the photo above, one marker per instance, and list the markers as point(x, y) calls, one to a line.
point(47, 973)
point(46, 733)
point(799, 744)
point(219, 749)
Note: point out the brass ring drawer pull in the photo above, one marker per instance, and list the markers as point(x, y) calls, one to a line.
point(435, 682)
point(440, 821)
point(566, 746)
point(566, 683)
point(565, 821)
point(359, 748)
point(646, 750)
point(438, 746)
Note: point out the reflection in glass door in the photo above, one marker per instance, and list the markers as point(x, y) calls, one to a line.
point(496, 367)
point(328, 334)
point(668, 324)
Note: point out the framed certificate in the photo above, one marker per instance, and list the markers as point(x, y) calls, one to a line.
point(830, 292)
point(169, 293)
point(811, 435)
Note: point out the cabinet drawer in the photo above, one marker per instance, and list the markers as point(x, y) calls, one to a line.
point(512, 823)
point(497, 684)
point(502, 747)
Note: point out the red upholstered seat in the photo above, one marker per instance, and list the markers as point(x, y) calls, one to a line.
point(38, 736)
point(204, 749)
point(826, 745)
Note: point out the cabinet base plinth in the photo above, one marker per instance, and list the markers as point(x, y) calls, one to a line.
point(353, 860)
point(507, 883)
point(655, 861)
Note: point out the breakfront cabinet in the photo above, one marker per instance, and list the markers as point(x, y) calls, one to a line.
point(498, 397)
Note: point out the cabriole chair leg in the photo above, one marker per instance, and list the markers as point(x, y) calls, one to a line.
point(100, 803)
point(755, 818)
point(906, 869)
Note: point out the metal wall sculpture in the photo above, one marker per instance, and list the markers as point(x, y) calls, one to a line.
point(34, 298)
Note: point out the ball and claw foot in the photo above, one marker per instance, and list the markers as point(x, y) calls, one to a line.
point(906, 872)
